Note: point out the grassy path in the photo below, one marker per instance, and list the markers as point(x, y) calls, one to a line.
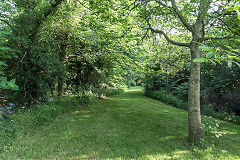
point(128, 126)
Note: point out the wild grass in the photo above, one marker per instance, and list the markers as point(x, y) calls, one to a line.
point(126, 126)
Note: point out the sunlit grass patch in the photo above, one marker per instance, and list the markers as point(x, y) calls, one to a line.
point(128, 126)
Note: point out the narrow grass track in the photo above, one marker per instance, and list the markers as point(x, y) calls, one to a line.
point(126, 126)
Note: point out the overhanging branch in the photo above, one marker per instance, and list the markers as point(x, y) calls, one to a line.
point(6, 22)
point(83, 4)
point(53, 5)
point(180, 16)
point(167, 38)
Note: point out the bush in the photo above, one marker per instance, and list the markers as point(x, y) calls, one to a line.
point(208, 110)
point(114, 91)
point(167, 98)
point(86, 98)
point(226, 116)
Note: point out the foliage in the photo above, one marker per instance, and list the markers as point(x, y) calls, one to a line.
point(59, 51)
point(211, 130)
point(5, 53)
point(114, 91)
point(4, 83)
point(86, 98)
point(219, 82)
point(34, 68)
point(167, 98)
point(208, 110)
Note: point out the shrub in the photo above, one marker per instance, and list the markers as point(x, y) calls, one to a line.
point(208, 110)
point(86, 98)
point(167, 98)
point(114, 91)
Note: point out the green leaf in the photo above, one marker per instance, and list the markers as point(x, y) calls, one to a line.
point(237, 58)
point(238, 14)
point(237, 64)
point(238, 40)
point(5, 48)
point(4, 85)
point(236, 50)
point(13, 85)
point(209, 55)
point(235, 8)
point(199, 60)
point(5, 33)
point(203, 47)
point(13, 81)
point(230, 9)
point(212, 62)
point(16, 88)
point(3, 63)
point(10, 84)
point(3, 78)
point(229, 64)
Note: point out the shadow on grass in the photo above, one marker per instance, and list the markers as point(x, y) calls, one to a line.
point(124, 138)
point(110, 132)
point(129, 126)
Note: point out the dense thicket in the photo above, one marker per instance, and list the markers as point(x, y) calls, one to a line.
point(60, 47)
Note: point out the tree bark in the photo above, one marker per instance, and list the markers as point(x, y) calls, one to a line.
point(194, 115)
point(63, 55)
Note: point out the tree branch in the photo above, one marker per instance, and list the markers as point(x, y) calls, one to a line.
point(203, 9)
point(230, 28)
point(217, 38)
point(180, 16)
point(44, 16)
point(83, 4)
point(167, 38)
point(135, 5)
point(6, 22)
point(145, 35)
point(130, 4)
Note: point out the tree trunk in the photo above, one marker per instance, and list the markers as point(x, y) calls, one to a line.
point(61, 78)
point(194, 115)
point(60, 86)
point(63, 56)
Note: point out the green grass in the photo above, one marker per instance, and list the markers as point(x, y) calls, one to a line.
point(126, 126)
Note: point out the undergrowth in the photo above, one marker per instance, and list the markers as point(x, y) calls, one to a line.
point(113, 91)
point(170, 99)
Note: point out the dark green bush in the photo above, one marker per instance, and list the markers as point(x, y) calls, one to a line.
point(208, 110)
point(86, 98)
point(114, 91)
point(167, 98)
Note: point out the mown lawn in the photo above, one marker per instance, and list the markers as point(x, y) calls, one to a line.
point(127, 126)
